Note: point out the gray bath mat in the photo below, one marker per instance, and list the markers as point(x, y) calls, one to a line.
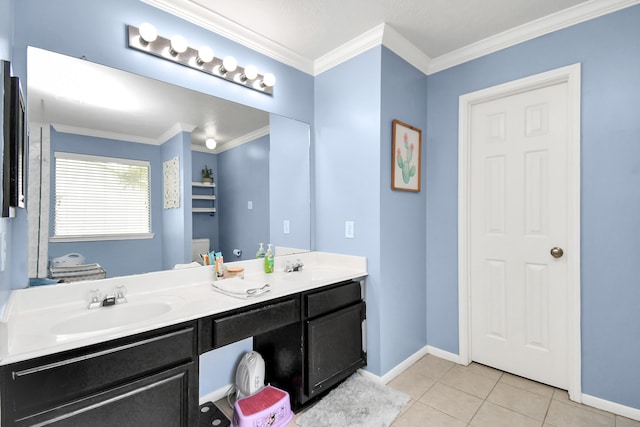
point(358, 402)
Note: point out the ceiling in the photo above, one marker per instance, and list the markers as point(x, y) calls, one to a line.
point(314, 28)
point(428, 33)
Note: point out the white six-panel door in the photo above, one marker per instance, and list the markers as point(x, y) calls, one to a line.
point(518, 206)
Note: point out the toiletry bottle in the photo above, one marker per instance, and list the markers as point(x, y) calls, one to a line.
point(269, 260)
point(261, 253)
point(219, 263)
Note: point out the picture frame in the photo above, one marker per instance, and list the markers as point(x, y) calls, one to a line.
point(406, 145)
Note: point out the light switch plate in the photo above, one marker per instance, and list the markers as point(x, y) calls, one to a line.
point(349, 231)
point(285, 226)
point(250, 204)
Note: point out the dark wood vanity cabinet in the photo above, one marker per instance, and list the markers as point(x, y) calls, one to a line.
point(309, 357)
point(310, 341)
point(145, 379)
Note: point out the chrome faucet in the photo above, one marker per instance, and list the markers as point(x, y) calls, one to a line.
point(290, 267)
point(118, 297)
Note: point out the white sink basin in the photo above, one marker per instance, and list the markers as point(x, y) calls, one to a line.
point(105, 318)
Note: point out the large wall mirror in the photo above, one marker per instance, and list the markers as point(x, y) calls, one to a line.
point(260, 166)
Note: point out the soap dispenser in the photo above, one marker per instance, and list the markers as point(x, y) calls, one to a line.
point(261, 253)
point(269, 259)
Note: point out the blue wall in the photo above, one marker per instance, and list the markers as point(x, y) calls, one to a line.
point(177, 222)
point(609, 50)
point(117, 257)
point(289, 174)
point(244, 176)
point(356, 102)
point(347, 173)
point(402, 218)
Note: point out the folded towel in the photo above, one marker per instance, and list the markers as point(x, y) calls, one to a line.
point(240, 288)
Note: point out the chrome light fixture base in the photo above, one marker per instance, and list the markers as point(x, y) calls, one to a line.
point(161, 47)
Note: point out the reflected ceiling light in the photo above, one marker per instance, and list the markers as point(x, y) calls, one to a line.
point(250, 73)
point(229, 65)
point(205, 54)
point(269, 80)
point(148, 34)
point(146, 39)
point(211, 143)
point(178, 45)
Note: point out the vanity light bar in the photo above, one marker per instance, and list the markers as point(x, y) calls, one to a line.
point(203, 59)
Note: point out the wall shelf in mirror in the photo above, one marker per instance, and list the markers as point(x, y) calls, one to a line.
point(203, 198)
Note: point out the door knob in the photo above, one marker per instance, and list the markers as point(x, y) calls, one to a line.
point(557, 252)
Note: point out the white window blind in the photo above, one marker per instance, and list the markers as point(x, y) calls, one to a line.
point(101, 197)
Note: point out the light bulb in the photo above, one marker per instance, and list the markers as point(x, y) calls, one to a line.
point(148, 33)
point(229, 64)
point(178, 45)
point(269, 80)
point(250, 73)
point(205, 54)
point(210, 143)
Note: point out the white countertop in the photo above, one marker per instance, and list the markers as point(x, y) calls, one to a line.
point(49, 319)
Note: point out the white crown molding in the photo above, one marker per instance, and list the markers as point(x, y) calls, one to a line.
point(169, 133)
point(405, 49)
point(175, 129)
point(387, 36)
point(206, 18)
point(350, 49)
point(548, 24)
point(251, 136)
point(103, 134)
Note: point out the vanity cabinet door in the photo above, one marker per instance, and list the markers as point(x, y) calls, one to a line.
point(139, 373)
point(334, 348)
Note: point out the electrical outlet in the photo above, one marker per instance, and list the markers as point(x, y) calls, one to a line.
point(349, 231)
point(285, 226)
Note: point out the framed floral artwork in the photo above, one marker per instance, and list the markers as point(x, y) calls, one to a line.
point(405, 166)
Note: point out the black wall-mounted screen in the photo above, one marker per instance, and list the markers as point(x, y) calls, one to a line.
point(15, 142)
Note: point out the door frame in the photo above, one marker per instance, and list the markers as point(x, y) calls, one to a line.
point(571, 75)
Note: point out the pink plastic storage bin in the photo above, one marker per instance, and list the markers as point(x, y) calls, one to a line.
point(270, 407)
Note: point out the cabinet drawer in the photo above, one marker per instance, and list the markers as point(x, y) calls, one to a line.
point(257, 321)
point(46, 382)
point(328, 300)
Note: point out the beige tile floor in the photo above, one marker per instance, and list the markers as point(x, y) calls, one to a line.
point(444, 394)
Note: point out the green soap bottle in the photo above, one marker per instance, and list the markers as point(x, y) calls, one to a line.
point(269, 260)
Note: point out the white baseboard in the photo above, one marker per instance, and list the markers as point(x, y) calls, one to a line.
point(615, 408)
point(215, 394)
point(451, 357)
point(398, 369)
